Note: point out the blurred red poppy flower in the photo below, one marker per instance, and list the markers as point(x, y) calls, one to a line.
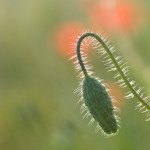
point(66, 37)
point(115, 15)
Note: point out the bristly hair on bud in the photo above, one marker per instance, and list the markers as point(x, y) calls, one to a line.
point(99, 104)
point(96, 101)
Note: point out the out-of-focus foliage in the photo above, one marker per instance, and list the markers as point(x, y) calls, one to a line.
point(37, 103)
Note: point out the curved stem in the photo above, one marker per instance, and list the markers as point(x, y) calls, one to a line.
point(113, 60)
point(79, 55)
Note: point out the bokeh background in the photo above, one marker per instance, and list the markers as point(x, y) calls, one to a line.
point(38, 108)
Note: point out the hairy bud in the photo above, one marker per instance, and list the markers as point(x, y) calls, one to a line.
point(99, 104)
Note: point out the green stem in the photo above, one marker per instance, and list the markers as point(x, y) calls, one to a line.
point(113, 60)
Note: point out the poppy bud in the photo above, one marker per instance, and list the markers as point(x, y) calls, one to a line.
point(99, 104)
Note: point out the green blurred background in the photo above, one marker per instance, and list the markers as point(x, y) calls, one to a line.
point(38, 108)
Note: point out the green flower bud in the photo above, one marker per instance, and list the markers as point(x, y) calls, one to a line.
point(99, 104)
